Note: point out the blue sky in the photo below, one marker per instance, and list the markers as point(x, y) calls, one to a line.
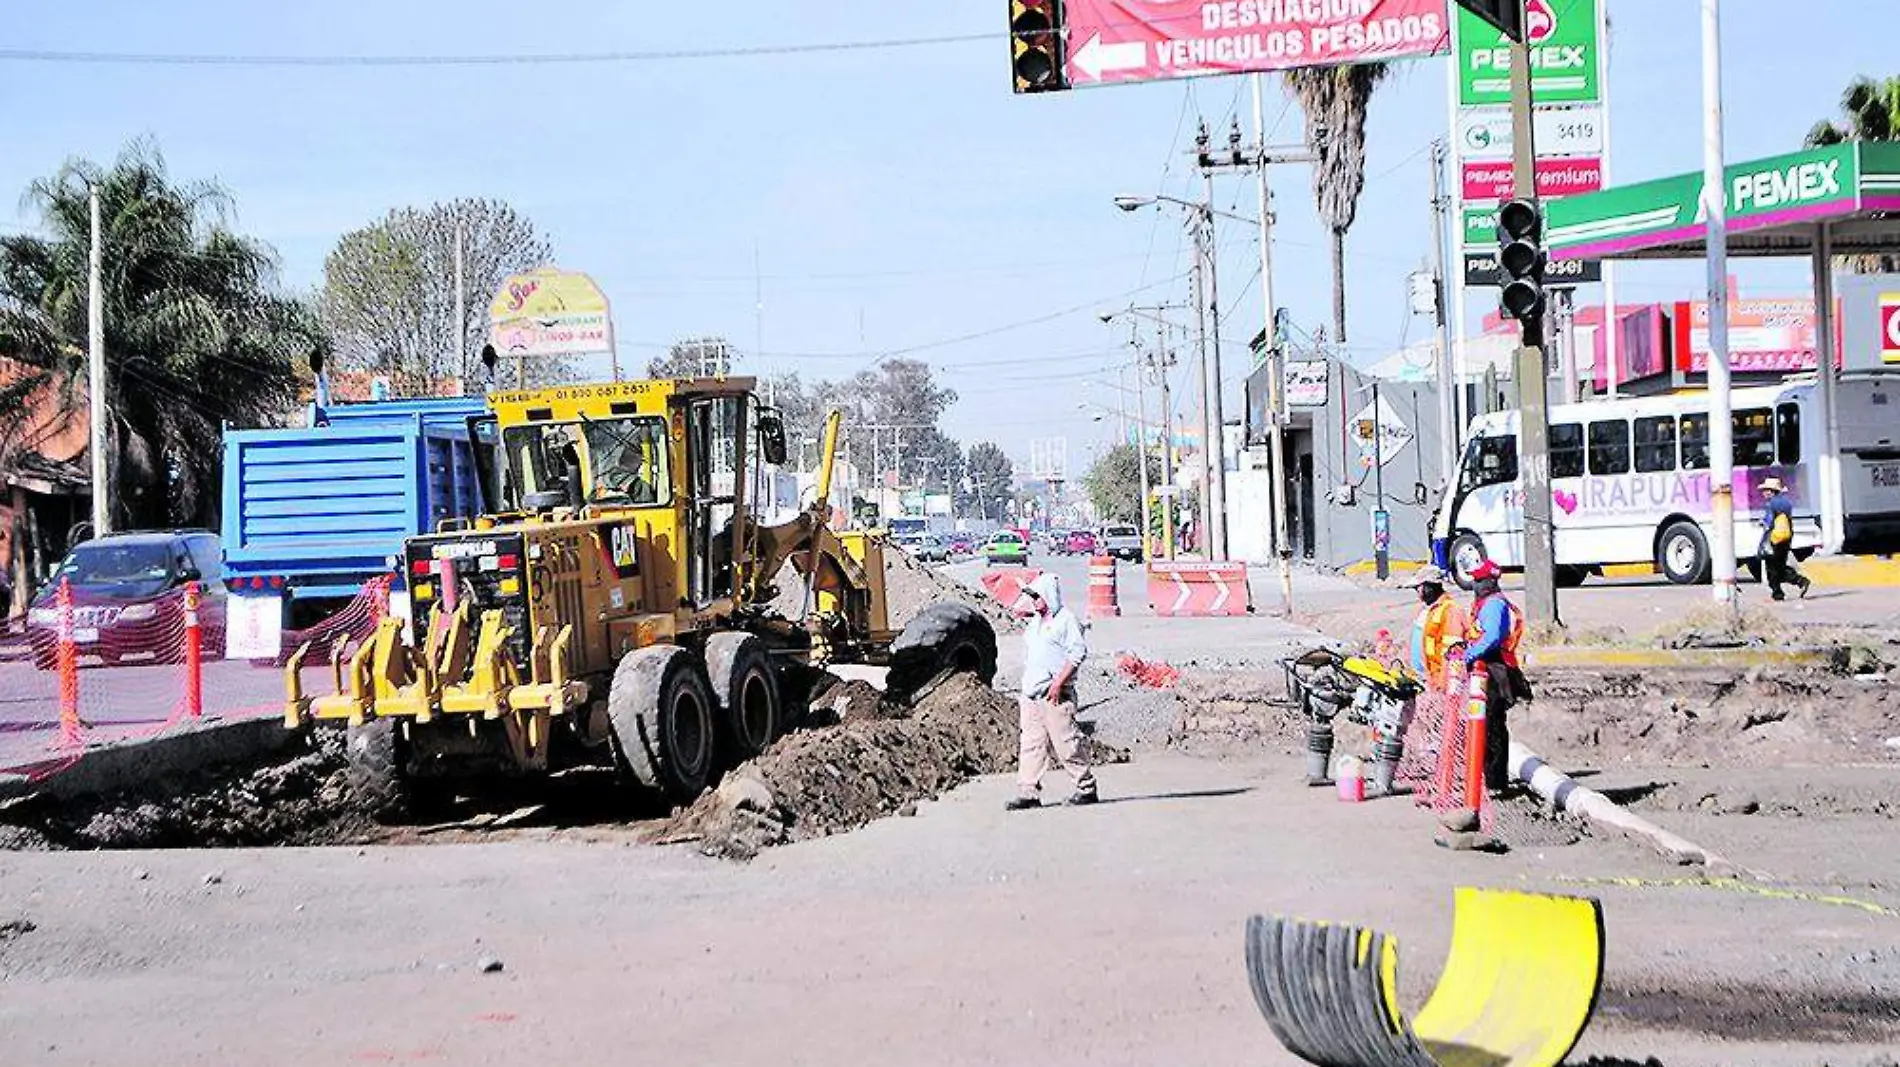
point(894, 198)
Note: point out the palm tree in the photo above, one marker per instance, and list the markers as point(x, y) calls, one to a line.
point(1335, 100)
point(1872, 112)
point(195, 334)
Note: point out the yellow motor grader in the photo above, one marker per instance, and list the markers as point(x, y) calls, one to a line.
point(614, 603)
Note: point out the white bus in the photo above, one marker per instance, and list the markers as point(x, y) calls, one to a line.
point(1630, 479)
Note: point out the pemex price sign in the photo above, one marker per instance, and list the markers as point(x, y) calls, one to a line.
point(1063, 44)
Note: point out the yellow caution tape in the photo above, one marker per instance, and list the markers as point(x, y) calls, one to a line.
point(1738, 886)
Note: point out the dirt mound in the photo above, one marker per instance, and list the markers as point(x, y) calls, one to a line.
point(909, 587)
point(875, 762)
point(1722, 718)
point(299, 801)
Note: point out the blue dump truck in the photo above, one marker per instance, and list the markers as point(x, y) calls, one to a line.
point(313, 513)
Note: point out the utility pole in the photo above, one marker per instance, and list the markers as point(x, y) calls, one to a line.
point(461, 307)
point(1448, 430)
point(1533, 380)
point(1260, 157)
point(1715, 204)
point(96, 383)
point(1381, 520)
point(1201, 225)
point(1163, 360)
point(1141, 427)
point(1216, 422)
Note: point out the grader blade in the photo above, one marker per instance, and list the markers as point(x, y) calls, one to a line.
point(1519, 986)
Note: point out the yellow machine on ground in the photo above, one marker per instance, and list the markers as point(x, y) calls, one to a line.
point(615, 603)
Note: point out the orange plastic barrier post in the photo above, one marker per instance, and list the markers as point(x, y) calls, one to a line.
point(1474, 740)
point(194, 655)
point(68, 660)
point(1104, 598)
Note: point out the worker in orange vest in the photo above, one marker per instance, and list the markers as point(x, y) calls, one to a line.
point(1440, 626)
point(1491, 640)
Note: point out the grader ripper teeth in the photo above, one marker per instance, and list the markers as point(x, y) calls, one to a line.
point(451, 675)
point(1519, 986)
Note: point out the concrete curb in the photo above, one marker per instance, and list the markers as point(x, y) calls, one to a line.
point(1730, 658)
point(1831, 572)
point(1563, 792)
point(125, 764)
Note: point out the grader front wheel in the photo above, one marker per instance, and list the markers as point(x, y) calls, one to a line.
point(745, 687)
point(662, 713)
point(377, 775)
point(942, 640)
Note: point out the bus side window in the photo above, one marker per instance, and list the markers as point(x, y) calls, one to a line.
point(1754, 437)
point(1788, 434)
point(1492, 461)
point(1695, 441)
point(1610, 447)
point(1566, 450)
point(1655, 444)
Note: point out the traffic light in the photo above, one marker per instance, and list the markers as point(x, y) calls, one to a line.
point(1035, 41)
point(1521, 258)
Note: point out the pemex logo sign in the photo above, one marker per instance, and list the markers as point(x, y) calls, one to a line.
point(1540, 21)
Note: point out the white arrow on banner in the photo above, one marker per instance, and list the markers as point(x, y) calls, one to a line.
point(1180, 601)
point(1096, 57)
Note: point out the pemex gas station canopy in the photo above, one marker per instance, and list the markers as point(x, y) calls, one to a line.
point(1774, 208)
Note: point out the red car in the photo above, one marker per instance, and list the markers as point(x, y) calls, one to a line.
point(129, 599)
point(1080, 543)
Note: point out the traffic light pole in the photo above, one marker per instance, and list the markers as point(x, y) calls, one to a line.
point(1533, 383)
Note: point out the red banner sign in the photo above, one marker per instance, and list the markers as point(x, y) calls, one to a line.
point(1491, 180)
point(1112, 41)
point(1763, 335)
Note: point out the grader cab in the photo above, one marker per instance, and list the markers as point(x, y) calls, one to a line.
point(615, 604)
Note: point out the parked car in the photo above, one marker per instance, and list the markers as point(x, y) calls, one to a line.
point(932, 548)
point(1006, 546)
point(1122, 541)
point(128, 598)
point(1080, 543)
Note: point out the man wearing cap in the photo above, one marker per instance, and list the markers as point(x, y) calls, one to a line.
point(1491, 646)
point(1440, 625)
point(1777, 539)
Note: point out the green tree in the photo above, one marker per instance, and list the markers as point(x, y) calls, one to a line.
point(196, 333)
point(988, 481)
point(1113, 483)
point(1870, 111)
point(388, 296)
point(1335, 100)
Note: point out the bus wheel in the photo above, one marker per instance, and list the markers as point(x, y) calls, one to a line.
point(1570, 577)
point(1464, 554)
point(1682, 554)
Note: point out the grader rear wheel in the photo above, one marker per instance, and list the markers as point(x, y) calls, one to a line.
point(662, 713)
point(942, 640)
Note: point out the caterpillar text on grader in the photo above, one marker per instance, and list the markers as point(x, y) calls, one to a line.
point(614, 604)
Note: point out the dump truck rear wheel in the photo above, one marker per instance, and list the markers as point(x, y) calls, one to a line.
point(745, 687)
point(943, 639)
point(662, 712)
point(378, 779)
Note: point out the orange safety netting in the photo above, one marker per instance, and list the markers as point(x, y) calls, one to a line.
point(79, 671)
point(1151, 673)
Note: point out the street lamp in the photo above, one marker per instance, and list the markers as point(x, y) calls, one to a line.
point(1207, 319)
point(1160, 360)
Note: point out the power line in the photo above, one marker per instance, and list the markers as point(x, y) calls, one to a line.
point(234, 59)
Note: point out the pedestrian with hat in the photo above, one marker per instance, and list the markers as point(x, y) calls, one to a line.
point(1777, 539)
point(1491, 640)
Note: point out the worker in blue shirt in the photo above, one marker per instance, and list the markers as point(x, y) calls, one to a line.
point(1497, 626)
point(1777, 539)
